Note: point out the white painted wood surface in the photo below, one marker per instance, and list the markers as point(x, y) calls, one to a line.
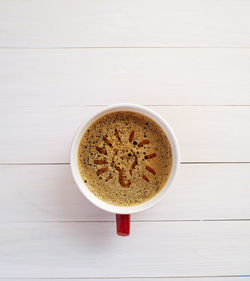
point(60, 62)
point(125, 24)
point(175, 76)
point(92, 249)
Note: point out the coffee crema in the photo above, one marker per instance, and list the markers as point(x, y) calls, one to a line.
point(124, 158)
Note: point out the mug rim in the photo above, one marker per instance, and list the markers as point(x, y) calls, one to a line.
point(175, 158)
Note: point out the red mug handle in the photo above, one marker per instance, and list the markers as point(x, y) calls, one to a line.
point(123, 224)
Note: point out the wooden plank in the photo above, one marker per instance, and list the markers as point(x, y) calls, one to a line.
point(223, 278)
point(44, 134)
point(34, 193)
point(158, 249)
point(132, 23)
point(146, 76)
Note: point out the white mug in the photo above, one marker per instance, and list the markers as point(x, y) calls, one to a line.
point(123, 212)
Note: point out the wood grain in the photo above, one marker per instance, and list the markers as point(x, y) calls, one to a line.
point(88, 250)
point(104, 76)
point(44, 134)
point(112, 23)
point(35, 193)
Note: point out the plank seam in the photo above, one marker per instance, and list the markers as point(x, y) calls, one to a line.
point(121, 47)
point(134, 221)
point(130, 277)
point(67, 163)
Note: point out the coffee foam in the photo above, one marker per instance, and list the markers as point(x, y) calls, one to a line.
point(124, 158)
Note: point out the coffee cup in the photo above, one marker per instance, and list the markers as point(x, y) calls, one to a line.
point(123, 212)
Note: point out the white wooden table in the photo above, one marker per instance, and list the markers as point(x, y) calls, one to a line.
point(61, 61)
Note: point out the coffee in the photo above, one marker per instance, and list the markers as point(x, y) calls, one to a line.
point(124, 158)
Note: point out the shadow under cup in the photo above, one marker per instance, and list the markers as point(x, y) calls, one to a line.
point(123, 212)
